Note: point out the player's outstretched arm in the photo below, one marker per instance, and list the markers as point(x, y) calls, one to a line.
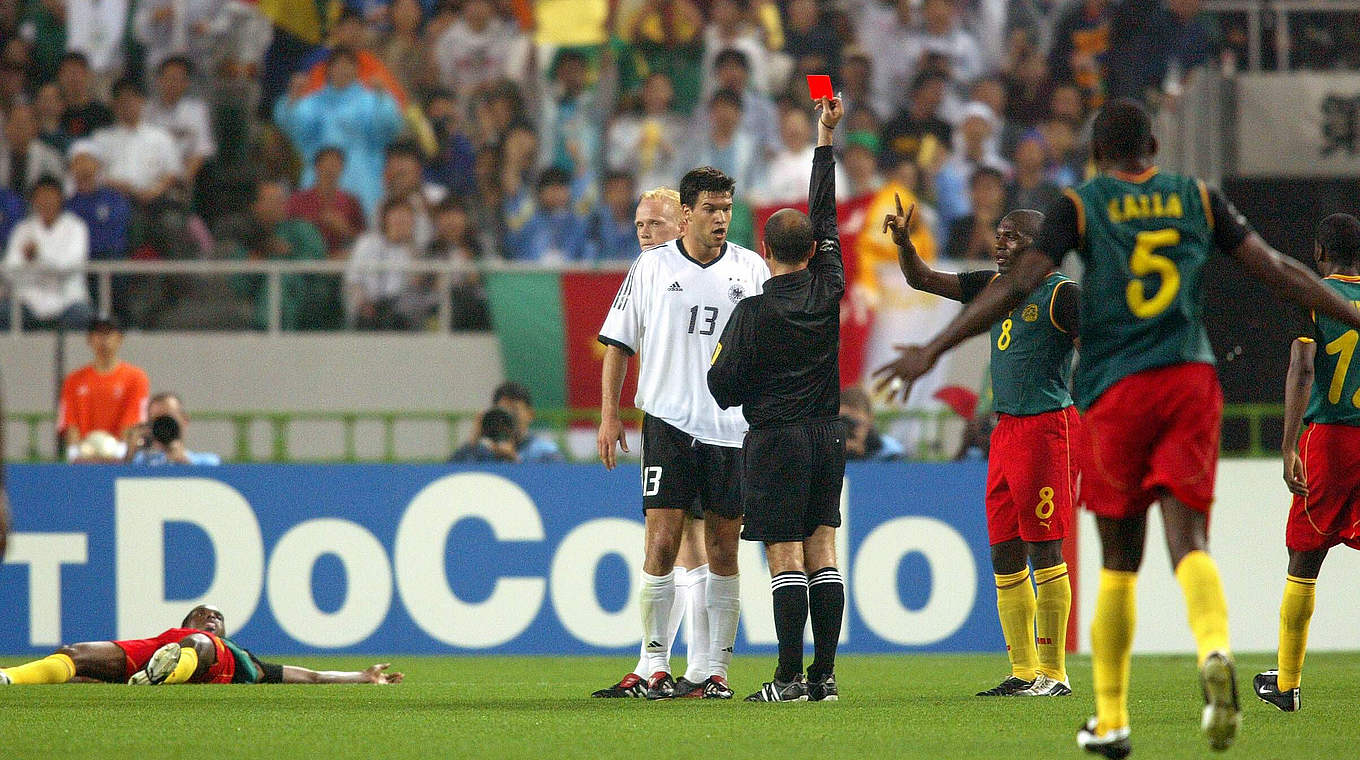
point(373, 674)
point(1003, 294)
point(1298, 386)
point(1293, 281)
point(611, 387)
point(919, 276)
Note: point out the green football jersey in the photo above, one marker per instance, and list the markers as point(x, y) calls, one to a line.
point(1336, 388)
point(1144, 241)
point(1032, 356)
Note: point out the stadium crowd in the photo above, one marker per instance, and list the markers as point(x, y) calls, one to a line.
point(473, 130)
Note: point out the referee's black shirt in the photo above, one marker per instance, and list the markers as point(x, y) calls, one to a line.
point(778, 356)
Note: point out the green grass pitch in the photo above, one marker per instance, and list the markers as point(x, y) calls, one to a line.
point(537, 707)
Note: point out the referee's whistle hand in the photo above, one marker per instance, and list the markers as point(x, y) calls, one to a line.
point(611, 432)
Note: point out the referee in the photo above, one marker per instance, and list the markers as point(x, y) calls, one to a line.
point(777, 357)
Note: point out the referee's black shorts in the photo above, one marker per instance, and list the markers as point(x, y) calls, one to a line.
point(792, 478)
point(679, 472)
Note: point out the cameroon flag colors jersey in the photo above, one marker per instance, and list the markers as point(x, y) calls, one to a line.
point(1336, 384)
point(1031, 353)
point(1145, 240)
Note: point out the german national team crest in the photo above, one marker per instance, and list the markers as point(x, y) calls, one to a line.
point(1031, 313)
point(736, 292)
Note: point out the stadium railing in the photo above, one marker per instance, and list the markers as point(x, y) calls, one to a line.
point(1251, 421)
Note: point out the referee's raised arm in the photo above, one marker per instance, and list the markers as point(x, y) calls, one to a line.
point(826, 261)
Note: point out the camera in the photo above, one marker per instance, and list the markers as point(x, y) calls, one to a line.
point(165, 429)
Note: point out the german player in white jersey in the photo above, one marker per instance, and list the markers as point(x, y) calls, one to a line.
point(670, 311)
point(656, 221)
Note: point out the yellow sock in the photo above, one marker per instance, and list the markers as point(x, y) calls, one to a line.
point(1111, 642)
point(184, 669)
point(1204, 602)
point(1053, 605)
point(54, 668)
point(1015, 607)
point(1295, 611)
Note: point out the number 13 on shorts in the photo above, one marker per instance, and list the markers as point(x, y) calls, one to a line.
point(651, 481)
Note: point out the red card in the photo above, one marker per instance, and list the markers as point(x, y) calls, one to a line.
point(819, 86)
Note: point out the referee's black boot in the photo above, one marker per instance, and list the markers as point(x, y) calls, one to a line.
point(782, 691)
point(824, 689)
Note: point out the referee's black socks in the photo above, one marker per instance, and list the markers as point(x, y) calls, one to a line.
point(826, 605)
point(790, 618)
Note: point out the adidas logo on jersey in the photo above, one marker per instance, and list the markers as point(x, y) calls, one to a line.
point(675, 288)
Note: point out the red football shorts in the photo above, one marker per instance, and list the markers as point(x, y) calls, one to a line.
point(1154, 430)
point(1032, 476)
point(137, 653)
point(1330, 513)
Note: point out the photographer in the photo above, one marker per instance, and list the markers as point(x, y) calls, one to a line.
point(863, 442)
point(497, 441)
point(160, 441)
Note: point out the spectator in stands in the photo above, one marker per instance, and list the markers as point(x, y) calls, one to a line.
point(196, 31)
point(611, 230)
point(876, 249)
point(13, 209)
point(402, 49)
point(1066, 160)
point(1081, 43)
point(47, 108)
point(160, 440)
point(918, 133)
point(404, 180)
point(668, 36)
point(882, 26)
point(49, 239)
point(856, 81)
point(454, 242)
point(83, 113)
point(1065, 104)
point(347, 115)
point(726, 144)
point(108, 395)
point(334, 212)
point(648, 142)
point(184, 116)
point(495, 442)
point(974, 147)
point(972, 237)
point(531, 447)
point(276, 237)
point(1030, 187)
point(453, 164)
point(863, 442)
point(555, 233)
point(759, 117)
point(43, 27)
point(1027, 85)
point(351, 32)
point(1155, 47)
point(942, 33)
point(573, 112)
point(476, 50)
point(861, 165)
point(106, 212)
point(98, 29)
point(141, 159)
point(25, 158)
point(373, 295)
point(813, 43)
point(785, 179)
point(730, 27)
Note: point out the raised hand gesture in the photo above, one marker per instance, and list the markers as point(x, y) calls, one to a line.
point(376, 674)
point(900, 225)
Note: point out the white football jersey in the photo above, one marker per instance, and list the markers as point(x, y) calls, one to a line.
point(671, 310)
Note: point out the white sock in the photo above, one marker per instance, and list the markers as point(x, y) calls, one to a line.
point(657, 599)
point(682, 591)
point(724, 611)
point(697, 630)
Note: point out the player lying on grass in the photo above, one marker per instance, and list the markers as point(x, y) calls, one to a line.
point(196, 652)
point(1321, 468)
point(1032, 475)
